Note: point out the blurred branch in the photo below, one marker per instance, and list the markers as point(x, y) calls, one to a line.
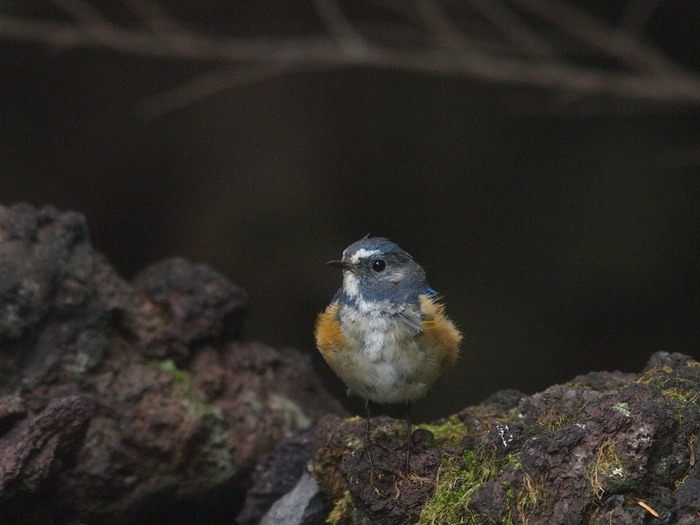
point(205, 86)
point(609, 40)
point(530, 55)
point(442, 28)
point(337, 23)
point(637, 14)
point(154, 16)
point(513, 27)
point(82, 12)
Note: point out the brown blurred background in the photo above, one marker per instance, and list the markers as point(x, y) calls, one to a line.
point(560, 224)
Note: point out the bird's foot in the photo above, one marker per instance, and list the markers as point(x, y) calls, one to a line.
point(415, 442)
point(366, 450)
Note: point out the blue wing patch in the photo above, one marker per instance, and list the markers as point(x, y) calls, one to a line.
point(430, 293)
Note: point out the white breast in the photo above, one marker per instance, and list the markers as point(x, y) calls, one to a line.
point(385, 362)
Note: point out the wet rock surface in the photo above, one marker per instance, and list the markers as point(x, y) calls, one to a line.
point(603, 448)
point(130, 402)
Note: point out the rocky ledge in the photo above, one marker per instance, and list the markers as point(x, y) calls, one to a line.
point(131, 402)
point(138, 402)
point(604, 448)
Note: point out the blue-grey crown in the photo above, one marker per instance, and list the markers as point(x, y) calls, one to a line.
point(402, 281)
point(382, 244)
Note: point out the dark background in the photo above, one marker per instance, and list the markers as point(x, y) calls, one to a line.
point(560, 228)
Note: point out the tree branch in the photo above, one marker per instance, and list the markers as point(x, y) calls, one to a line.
point(155, 17)
point(637, 14)
point(646, 75)
point(514, 28)
point(444, 31)
point(611, 41)
point(337, 23)
point(82, 12)
point(207, 85)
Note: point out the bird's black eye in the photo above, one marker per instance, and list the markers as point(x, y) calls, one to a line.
point(378, 265)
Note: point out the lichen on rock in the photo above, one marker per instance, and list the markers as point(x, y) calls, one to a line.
point(603, 448)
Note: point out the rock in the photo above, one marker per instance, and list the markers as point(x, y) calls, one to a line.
point(276, 474)
point(304, 505)
point(196, 302)
point(282, 490)
point(603, 448)
point(37, 446)
point(57, 295)
point(11, 408)
point(126, 403)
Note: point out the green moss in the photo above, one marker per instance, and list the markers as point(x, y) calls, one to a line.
point(607, 465)
point(341, 514)
point(179, 376)
point(532, 496)
point(456, 484)
point(214, 451)
point(692, 460)
point(448, 432)
point(459, 478)
point(684, 398)
point(553, 421)
point(681, 390)
point(290, 411)
point(657, 375)
point(189, 394)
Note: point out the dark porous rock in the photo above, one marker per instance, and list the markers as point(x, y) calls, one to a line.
point(58, 297)
point(607, 447)
point(11, 408)
point(305, 504)
point(375, 475)
point(38, 445)
point(276, 475)
point(128, 403)
point(176, 303)
point(283, 491)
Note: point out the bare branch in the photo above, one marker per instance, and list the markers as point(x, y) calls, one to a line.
point(145, 43)
point(207, 85)
point(154, 16)
point(650, 76)
point(442, 28)
point(82, 12)
point(611, 41)
point(337, 23)
point(514, 28)
point(637, 15)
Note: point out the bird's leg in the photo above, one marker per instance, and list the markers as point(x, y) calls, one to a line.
point(368, 441)
point(408, 445)
point(409, 438)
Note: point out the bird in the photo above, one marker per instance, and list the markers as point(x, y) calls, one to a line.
point(385, 333)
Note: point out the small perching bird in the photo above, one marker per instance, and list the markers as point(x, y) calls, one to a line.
point(384, 334)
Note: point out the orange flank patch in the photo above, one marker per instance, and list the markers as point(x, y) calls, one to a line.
point(440, 333)
point(329, 338)
point(439, 337)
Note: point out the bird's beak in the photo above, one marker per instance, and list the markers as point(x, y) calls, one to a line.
point(339, 264)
